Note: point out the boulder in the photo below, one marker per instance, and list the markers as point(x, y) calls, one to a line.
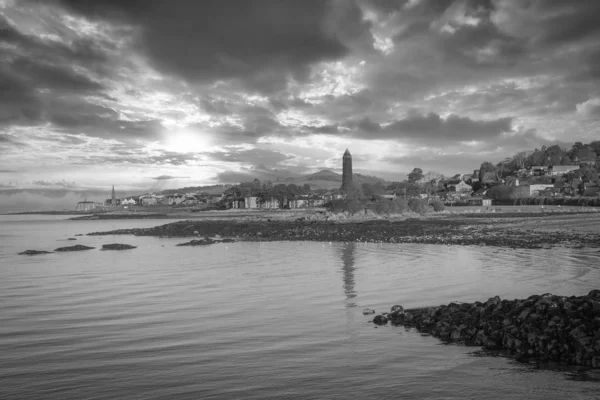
point(34, 252)
point(117, 246)
point(77, 247)
point(542, 328)
point(368, 311)
point(380, 320)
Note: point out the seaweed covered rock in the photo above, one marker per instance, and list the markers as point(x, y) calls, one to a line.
point(199, 242)
point(117, 246)
point(205, 241)
point(544, 327)
point(77, 247)
point(34, 252)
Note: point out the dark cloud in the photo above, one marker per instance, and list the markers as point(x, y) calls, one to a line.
point(37, 75)
point(452, 128)
point(260, 43)
point(167, 177)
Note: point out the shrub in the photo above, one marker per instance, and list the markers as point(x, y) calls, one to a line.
point(438, 205)
point(418, 205)
point(399, 205)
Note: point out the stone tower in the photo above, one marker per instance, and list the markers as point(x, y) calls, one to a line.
point(346, 171)
point(113, 201)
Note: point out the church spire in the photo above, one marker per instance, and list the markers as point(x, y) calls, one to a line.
point(113, 200)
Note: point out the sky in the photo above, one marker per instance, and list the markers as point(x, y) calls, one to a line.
point(150, 95)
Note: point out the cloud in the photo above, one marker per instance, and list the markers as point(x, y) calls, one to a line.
point(167, 177)
point(252, 156)
point(589, 108)
point(61, 183)
point(259, 43)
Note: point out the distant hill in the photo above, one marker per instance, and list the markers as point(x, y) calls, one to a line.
point(327, 179)
point(324, 179)
point(212, 189)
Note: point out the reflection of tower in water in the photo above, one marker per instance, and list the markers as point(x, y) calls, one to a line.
point(348, 257)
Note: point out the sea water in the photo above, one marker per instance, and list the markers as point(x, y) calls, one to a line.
point(266, 320)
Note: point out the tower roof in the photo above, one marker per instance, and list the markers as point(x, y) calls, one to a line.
point(347, 153)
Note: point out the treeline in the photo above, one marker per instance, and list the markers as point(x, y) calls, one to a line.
point(579, 153)
point(266, 190)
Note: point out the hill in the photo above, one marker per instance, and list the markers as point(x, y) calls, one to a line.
point(327, 179)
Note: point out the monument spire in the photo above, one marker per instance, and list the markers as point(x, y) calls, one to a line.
point(346, 171)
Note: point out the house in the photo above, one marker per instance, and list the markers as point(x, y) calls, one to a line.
point(316, 201)
point(109, 202)
point(458, 186)
point(569, 189)
point(129, 201)
point(389, 197)
point(85, 206)
point(251, 202)
point(300, 202)
point(271, 203)
point(175, 199)
point(538, 188)
point(148, 200)
point(190, 201)
point(538, 170)
point(475, 176)
point(479, 201)
point(238, 203)
point(563, 169)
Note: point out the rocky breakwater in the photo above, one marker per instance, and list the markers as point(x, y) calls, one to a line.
point(431, 231)
point(542, 327)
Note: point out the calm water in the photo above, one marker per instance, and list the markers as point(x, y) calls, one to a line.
point(258, 320)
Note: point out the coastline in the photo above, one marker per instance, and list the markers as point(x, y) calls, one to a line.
point(513, 230)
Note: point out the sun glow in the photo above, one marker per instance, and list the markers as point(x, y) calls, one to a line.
point(187, 141)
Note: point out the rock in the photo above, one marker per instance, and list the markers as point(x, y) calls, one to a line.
point(34, 252)
point(79, 234)
point(543, 328)
point(199, 242)
point(117, 246)
point(77, 247)
point(368, 311)
point(71, 239)
point(380, 320)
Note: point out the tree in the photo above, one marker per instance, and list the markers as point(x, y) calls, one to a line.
point(354, 192)
point(306, 188)
point(415, 175)
point(485, 167)
point(432, 179)
point(520, 159)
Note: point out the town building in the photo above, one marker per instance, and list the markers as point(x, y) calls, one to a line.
point(538, 188)
point(562, 169)
point(479, 201)
point(251, 202)
point(85, 206)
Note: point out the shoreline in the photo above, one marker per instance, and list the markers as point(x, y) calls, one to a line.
point(511, 230)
